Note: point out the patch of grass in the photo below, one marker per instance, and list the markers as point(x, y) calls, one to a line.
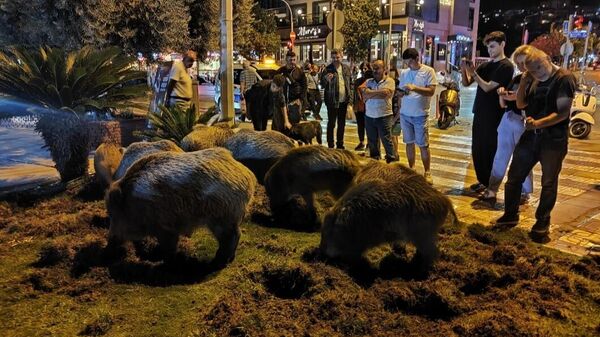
point(57, 279)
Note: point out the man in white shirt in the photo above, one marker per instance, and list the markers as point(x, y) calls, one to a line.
point(417, 85)
point(377, 94)
point(179, 89)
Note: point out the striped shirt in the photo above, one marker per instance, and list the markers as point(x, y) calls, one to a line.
point(248, 77)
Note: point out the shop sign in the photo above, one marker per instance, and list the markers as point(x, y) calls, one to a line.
point(310, 33)
point(418, 25)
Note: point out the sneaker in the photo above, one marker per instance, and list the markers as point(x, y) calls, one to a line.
point(341, 147)
point(359, 147)
point(506, 221)
point(489, 197)
point(428, 178)
point(477, 187)
point(524, 199)
point(318, 118)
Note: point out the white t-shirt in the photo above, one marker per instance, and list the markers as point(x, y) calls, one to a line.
point(380, 107)
point(415, 104)
point(183, 87)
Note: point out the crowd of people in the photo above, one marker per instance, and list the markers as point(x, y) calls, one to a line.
point(524, 118)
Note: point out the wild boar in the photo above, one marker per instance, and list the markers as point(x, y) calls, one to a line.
point(107, 158)
point(259, 150)
point(377, 211)
point(306, 131)
point(138, 150)
point(303, 172)
point(169, 194)
point(204, 137)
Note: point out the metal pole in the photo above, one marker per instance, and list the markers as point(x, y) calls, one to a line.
point(227, 110)
point(566, 56)
point(585, 48)
point(334, 24)
point(291, 18)
point(389, 51)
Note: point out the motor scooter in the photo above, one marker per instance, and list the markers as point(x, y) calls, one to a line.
point(582, 112)
point(448, 106)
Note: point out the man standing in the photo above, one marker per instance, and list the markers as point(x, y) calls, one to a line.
point(545, 140)
point(417, 85)
point(487, 111)
point(337, 81)
point(313, 96)
point(248, 77)
point(179, 89)
point(294, 89)
point(379, 117)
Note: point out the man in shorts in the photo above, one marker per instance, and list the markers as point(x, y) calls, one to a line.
point(417, 85)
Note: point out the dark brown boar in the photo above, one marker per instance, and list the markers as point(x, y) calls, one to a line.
point(169, 194)
point(292, 182)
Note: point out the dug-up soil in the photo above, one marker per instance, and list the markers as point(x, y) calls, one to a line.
point(57, 280)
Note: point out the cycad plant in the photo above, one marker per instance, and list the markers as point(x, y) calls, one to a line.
point(69, 83)
point(173, 123)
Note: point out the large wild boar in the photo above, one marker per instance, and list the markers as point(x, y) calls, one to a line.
point(292, 182)
point(107, 158)
point(205, 137)
point(259, 150)
point(138, 150)
point(386, 205)
point(169, 194)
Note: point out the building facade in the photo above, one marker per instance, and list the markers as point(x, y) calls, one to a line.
point(443, 31)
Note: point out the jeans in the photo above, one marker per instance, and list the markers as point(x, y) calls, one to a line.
point(360, 125)
point(509, 132)
point(338, 114)
point(549, 148)
point(380, 129)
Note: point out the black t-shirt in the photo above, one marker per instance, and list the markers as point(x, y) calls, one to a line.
point(295, 84)
point(513, 86)
point(500, 72)
point(541, 102)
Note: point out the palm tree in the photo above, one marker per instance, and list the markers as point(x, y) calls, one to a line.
point(69, 83)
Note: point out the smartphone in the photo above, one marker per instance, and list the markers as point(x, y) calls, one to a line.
point(403, 91)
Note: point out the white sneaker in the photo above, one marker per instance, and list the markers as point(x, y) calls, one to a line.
point(428, 178)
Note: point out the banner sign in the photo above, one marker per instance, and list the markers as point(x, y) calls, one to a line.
point(159, 81)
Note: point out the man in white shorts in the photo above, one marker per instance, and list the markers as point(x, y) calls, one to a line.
point(417, 85)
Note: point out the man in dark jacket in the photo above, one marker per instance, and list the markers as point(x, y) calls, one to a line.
point(337, 81)
point(294, 89)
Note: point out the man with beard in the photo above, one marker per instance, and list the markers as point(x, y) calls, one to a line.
point(545, 140)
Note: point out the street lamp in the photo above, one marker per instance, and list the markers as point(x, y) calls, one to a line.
point(291, 18)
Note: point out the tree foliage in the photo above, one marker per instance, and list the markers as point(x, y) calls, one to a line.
point(549, 43)
point(267, 39)
point(33, 23)
point(204, 26)
point(243, 27)
point(138, 25)
point(361, 23)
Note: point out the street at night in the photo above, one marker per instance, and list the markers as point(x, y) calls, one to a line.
point(176, 169)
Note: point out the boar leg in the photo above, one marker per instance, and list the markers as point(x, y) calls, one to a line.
point(227, 233)
point(167, 243)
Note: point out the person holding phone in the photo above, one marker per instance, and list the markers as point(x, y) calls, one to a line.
point(510, 130)
point(487, 111)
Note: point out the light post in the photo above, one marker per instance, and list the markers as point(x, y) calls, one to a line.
point(388, 54)
point(524, 24)
point(291, 18)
